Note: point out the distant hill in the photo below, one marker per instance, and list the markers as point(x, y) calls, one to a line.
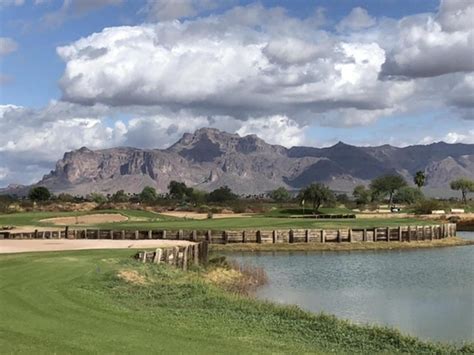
point(210, 158)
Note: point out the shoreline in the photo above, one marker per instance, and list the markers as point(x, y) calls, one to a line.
point(357, 246)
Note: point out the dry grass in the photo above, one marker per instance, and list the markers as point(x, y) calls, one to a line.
point(132, 276)
point(237, 278)
point(447, 242)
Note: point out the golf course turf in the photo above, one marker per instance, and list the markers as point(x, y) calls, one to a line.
point(74, 302)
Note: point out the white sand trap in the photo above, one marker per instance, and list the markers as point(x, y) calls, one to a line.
point(31, 229)
point(37, 245)
point(196, 215)
point(86, 219)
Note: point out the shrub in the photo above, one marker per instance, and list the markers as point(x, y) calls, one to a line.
point(426, 206)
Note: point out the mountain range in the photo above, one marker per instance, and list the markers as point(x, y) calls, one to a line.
point(210, 158)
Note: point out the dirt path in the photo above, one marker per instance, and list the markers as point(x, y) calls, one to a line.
point(86, 219)
point(21, 246)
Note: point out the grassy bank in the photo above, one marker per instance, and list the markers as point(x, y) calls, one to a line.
point(437, 243)
point(74, 302)
point(149, 220)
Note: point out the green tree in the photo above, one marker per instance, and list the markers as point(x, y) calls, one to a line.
point(419, 179)
point(64, 197)
point(96, 197)
point(318, 194)
point(179, 190)
point(464, 185)
point(387, 185)
point(361, 195)
point(39, 193)
point(280, 195)
point(342, 199)
point(198, 196)
point(119, 196)
point(222, 194)
point(148, 194)
point(408, 195)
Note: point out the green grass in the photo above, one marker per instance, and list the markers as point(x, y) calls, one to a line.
point(149, 220)
point(73, 302)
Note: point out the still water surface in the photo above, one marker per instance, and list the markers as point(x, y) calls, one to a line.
point(428, 293)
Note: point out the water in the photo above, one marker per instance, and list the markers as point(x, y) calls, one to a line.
point(428, 293)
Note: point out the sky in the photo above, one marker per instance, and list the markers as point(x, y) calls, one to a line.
point(107, 73)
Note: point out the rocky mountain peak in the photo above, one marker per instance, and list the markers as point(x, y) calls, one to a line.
point(210, 158)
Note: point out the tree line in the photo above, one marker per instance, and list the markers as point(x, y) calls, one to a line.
point(391, 188)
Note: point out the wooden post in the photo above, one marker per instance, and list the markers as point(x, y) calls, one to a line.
point(209, 236)
point(416, 233)
point(111, 234)
point(409, 233)
point(338, 237)
point(349, 233)
point(243, 236)
point(36, 233)
point(74, 233)
point(136, 234)
point(375, 237)
point(364, 235)
point(399, 233)
point(150, 234)
point(66, 232)
point(225, 237)
point(157, 257)
point(122, 234)
point(144, 257)
point(166, 256)
point(388, 234)
point(306, 235)
point(291, 240)
point(274, 236)
point(185, 257)
point(175, 255)
point(423, 233)
point(431, 232)
point(323, 236)
point(259, 237)
point(194, 235)
point(196, 254)
point(164, 234)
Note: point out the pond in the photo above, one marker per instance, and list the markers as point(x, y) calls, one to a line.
point(428, 293)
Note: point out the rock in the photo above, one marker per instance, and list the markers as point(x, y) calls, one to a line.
point(209, 158)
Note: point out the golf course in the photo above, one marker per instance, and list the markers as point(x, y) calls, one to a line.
point(80, 302)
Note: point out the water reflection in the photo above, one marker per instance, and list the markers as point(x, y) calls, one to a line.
point(428, 292)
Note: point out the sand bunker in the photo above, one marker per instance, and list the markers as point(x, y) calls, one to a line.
point(28, 245)
point(86, 219)
point(196, 215)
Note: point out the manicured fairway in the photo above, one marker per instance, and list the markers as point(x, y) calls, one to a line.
point(149, 220)
point(73, 302)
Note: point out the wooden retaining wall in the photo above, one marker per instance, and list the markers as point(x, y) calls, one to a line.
point(402, 233)
point(179, 256)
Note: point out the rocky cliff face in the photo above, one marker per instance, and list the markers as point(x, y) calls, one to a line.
point(210, 158)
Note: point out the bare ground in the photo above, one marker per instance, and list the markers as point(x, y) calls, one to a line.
point(196, 215)
point(87, 219)
point(35, 245)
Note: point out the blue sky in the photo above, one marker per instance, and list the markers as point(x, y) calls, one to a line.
point(295, 72)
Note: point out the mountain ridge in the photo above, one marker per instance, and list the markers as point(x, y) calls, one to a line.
point(210, 158)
